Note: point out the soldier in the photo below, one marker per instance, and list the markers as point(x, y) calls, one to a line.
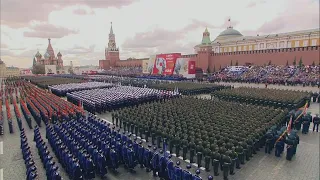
point(215, 162)
point(226, 160)
point(279, 145)
point(186, 174)
point(131, 158)
point(268, 145)
point(155, 161)
point(147, 158)
point(197, 175)
point(177, 171)
point(305, 125)
point(316, 122)
point(290, 149)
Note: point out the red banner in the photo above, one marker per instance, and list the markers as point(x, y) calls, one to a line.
point(191, 67)
point(164, 63)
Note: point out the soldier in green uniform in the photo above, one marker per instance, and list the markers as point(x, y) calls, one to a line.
point(226, 163)
point(216, 157)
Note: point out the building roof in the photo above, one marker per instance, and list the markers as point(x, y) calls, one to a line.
point(229, 33)
point(248, 38)
point(59, 54)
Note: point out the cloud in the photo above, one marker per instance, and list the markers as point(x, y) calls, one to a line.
point(255, 3)
point(79, 50)
point(80, 12)
point(48, 31)
point(293, 18)
point(17, 13)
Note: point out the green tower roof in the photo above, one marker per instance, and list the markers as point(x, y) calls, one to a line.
point(206, 37)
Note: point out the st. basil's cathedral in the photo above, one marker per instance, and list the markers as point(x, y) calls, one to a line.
point(49, 58)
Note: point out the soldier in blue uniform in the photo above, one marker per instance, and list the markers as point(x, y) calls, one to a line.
point(186, 174)
point(114, 158)
point(197, 175)
point(177, 171)
point(279, 146)
point(131, 158)
point(147, 158)
point(155, 161)
point(290, 149)
point(140, 154)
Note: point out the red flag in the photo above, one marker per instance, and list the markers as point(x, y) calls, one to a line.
point(289, 125)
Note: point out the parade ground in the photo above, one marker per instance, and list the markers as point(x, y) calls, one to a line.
point(304, 165)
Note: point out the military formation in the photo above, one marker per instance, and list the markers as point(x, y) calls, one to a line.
point(216, 132)
point(63, 89)
point(102, 100)
point(189, 88)
point(46, 81)
point(88, 147)
point(266, 97)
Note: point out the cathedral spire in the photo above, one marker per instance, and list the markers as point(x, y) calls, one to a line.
point(111, 29)
point(50, 49)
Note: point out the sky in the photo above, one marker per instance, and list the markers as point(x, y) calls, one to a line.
point(79, 28)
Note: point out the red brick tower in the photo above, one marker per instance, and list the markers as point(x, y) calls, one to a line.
point(204, 52)
point(112, 52)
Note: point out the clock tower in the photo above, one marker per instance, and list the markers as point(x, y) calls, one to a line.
point(112, 52)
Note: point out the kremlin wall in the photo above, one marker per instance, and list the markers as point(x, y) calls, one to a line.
point(231, 45)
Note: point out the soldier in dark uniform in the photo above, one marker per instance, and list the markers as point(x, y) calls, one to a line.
point(316, 122)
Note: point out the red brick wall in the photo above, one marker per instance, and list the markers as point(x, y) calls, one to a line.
point(261, 57)
point(104, 64)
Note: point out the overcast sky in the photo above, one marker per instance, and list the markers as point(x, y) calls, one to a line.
point(80, 28)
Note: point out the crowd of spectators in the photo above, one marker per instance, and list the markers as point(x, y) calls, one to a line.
point(271, 74)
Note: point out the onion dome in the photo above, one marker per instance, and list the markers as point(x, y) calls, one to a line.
point(59, 54)
point(38, 54)
point(46, 55)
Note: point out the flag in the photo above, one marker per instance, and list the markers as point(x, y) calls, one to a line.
point(289, 125)
point(304, 111)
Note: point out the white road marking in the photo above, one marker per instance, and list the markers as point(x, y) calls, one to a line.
point(1, 147)
point(1, 174)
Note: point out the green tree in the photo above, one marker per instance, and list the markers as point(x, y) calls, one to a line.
point(294, 61)
point(287, 64)
point(231, 64)
point(300, 62)
point(269, 63)
point(237, 64)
